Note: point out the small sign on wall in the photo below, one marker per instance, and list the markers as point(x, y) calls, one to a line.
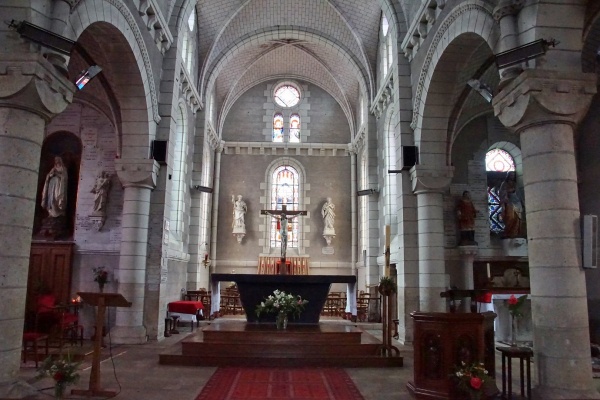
point(328, 250)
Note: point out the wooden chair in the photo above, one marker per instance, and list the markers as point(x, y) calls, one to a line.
point(362, 306)
point(333, 304)
point(60, 322)
point(32, 340)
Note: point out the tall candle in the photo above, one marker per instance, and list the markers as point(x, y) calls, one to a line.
point(489, 274)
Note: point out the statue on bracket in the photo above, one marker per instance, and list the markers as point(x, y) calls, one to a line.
point(101, 189)
point(239, 212)
point(466, 213)
point(328, 214)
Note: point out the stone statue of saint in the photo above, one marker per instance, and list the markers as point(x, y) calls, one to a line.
point(100, 190)
point(54, 194)
point(466, 213)
point(512, 206)
point(239, 212)
point(328, 213)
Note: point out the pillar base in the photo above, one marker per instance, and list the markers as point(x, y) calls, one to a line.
point(17, 390)
point(128, 335)
point(542, 393)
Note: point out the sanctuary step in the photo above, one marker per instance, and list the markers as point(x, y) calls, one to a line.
point(250, 344)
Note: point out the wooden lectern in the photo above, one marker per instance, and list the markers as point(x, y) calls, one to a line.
point(100, 300)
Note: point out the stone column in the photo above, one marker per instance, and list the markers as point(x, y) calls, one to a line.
point(31, 93)
point(138, 178)
point(467, 256)
point(429, 184)
point(215, 206)
point(506, 14)
point(544, 107)
point(353, 211)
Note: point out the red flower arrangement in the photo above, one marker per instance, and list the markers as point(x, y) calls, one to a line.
point(470, 378)
point(515, 304)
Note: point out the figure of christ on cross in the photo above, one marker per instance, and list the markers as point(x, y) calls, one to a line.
point(284, 216)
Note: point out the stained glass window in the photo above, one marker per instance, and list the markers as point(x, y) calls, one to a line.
point(499, 160)
point(287, 96)
point(285, 190)
point(497, 163)
point(295, 128)
point(278, 127)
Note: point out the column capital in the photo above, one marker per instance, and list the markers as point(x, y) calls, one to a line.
point(137, 172)
point(507, 7)
point(539, 97)
point(427, 179)
point(468, 251)
point(29, 82)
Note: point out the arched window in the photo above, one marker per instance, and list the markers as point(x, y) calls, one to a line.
point(498, 163)
point(384, 45)
point(295, 128)
point(187, 51)
point(178, 189)
point(285, 189)
point(278, 128)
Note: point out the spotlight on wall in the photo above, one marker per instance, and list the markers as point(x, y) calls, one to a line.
point(484, 90)
point(86, 75)
point(204, 189)
point(366, 192)
point(42, 36)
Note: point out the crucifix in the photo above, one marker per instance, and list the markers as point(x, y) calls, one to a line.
point(284, 216)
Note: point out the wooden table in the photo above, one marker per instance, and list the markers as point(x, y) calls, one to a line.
point(184, 308)
point(524, 354)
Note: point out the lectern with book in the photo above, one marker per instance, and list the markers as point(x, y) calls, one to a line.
point(100, 300)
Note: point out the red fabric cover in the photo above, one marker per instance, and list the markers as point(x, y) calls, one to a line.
point(484, 298)
point(69, 318)
point(46, 303)
point(185, 306)
point(30, 336)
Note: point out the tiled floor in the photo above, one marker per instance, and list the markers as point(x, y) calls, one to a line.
point(134, 372)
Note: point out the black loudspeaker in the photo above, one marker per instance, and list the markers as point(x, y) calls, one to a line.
point(410, 157)
point(159, 151)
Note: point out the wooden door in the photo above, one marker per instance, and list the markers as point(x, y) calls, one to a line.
point(49, 270)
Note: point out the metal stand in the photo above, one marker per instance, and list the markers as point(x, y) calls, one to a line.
point(386, 349)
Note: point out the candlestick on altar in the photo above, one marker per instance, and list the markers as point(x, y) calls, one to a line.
point(489, 274)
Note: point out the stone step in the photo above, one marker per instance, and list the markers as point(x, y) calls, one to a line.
point(309, 345)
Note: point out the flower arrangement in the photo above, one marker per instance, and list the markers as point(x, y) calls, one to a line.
point(62, 370)
point(470, 378)
point(281, 303)
point(387, 285)
point(515, 304)
point(100, 275)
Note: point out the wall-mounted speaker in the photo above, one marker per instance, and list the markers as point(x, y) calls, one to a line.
point(410, 157)
point(589, 239)
point(159, 151)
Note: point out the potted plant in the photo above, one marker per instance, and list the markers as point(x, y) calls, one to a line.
point(282, 304)
point(387, 286)
point(470, 379)
point(62, 370)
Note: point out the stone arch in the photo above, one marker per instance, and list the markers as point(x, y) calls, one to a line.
point(111, 22)
point(471, 24)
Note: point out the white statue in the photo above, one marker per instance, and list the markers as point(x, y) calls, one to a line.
point(54, 194)
point(239, 212)
point(100, 190)
point(328, 213)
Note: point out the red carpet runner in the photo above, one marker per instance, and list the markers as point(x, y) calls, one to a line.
point(234, 383)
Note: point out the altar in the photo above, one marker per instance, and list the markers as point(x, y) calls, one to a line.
point(254, 288)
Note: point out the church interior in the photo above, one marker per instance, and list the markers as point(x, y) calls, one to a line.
point(151, 147)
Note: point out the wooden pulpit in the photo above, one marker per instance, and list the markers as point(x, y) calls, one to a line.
point(100, 300)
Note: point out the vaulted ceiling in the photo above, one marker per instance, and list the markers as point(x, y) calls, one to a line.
point(330, 43)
